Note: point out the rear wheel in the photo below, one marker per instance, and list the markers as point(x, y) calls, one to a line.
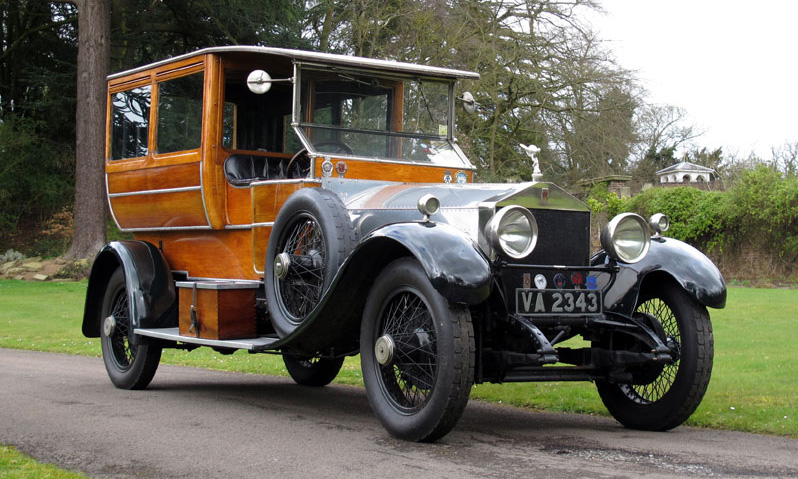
point(130, 366)
point(662, 397)
point(417, 354)
point(315, 372)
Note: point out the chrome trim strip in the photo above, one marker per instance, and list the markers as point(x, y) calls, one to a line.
point(166, 228)
point(218, 285)
point(200, 279)
point(266, 224)
point(325, 58)
point(285, 182)
point(155, 192)
point(173, 334)
point(202, 187)
point(110, 207)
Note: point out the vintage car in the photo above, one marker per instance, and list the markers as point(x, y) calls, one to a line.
point(318, 206)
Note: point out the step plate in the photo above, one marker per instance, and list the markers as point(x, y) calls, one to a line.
point(173, 334)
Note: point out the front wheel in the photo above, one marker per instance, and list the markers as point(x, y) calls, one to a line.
point(417, 354)
point(662, 397)
point(130, 366)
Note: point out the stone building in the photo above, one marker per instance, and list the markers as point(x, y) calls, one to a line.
point(686, 172)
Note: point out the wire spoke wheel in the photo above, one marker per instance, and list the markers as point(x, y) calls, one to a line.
point(416, 353)
point(312, 371)
point(660, 385)
point(311, 237)
point(662, 396)
point(409, 379)
point(123, 353)
point(303, 285)
point(129, 365)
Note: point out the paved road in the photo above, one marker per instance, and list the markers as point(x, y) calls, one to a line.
point(194, 423)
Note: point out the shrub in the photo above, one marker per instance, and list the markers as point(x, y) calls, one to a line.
point(11, 256)
point(696, 216)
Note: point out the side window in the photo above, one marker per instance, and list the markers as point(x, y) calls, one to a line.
point(180, 114)
point(130, 123)
point(229, 139)
point(255, 122)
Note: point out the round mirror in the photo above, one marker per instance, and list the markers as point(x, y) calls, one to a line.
point(469, 104)
point(259, 82)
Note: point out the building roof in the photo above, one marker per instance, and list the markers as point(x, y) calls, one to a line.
point(685, 167)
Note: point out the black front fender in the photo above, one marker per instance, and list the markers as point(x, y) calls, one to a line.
point(694, 272)
point(454, 264)
point(150, 289)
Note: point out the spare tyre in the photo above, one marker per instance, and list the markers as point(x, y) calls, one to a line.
point(311, 237)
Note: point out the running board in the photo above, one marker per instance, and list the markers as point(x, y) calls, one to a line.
point(260, 343)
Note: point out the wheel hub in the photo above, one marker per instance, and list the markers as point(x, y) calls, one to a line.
point(109, 326)
point(384, 349)
point(282, 263)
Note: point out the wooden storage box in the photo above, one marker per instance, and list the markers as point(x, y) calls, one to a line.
point(223, 310)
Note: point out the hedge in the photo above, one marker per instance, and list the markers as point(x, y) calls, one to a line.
point(759, 211)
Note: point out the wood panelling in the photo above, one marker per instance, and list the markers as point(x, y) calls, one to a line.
point(375, 170)
point(161, 210)
point(268, 198)
point(207, 254)
point(260, 241)
point(239, 205)
point(212, 174)
point(157, 178)
point(221, 314)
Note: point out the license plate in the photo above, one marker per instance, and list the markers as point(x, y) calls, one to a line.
point(559, 302)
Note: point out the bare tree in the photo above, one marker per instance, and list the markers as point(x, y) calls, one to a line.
point(785, 158)
point(663, 127)
point(94, 47)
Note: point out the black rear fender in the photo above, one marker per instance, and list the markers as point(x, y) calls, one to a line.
point(150, 288)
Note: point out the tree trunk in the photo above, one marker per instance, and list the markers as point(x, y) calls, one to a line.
point(94, 47)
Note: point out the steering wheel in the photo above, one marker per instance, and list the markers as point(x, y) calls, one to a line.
point(299, 166)
point(337, 146)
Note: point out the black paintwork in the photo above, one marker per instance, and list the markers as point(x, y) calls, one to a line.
point(150, 288)
point(689, 267)
point(455, 265)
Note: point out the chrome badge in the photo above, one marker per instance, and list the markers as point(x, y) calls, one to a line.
point(340, 167)
point(327, 167)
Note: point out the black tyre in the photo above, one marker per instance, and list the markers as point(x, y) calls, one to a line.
point(315, 372)
point(129, 366)
point(417, 354)
point(662, 397)
point(311, 237)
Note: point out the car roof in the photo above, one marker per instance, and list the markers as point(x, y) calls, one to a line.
point(320, 58)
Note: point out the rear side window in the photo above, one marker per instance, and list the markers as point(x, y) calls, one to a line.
point(180, 114)
point(130, 123)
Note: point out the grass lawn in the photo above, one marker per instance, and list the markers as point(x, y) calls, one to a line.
point(14, 464)
point(754, 383)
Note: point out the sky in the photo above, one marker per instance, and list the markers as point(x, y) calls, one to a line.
point(730, 64)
